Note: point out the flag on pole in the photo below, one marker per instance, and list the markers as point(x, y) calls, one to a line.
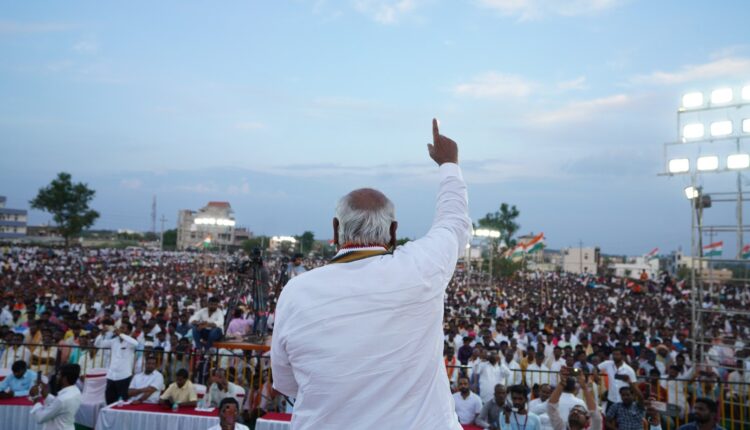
point(535, 244)
point(652, 254)
point(713, 249)
point(745, 254)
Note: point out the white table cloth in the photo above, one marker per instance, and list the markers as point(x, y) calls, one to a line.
point(262, 424)
point(17, 417)
point(116, 419)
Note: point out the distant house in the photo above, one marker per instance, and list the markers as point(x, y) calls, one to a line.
point(12, 221)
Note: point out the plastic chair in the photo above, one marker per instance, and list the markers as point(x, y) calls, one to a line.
point(92, 397)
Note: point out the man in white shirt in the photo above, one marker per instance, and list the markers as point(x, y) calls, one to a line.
point(58, 412)
point(228, 413)
point(568, 399)
point(221, 388)
point(122, 357)
point(491, 373)
point(468, 404)
point(516, 373)
point(537, 373)
point(616, 370)
point(208, 325)
point(386, 310)
point(147, 386)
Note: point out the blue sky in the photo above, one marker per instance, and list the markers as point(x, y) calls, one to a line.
point(559, 106)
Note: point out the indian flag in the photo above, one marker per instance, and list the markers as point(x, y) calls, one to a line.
point(535, 244)
point(518, 251)
point(713, 249)
point(745, 254)
point(652, 254)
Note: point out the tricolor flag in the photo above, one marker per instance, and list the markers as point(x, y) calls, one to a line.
point(535, 244)
point(713, 249)
point(518, 251)
point(745, 254)
point(652, 254)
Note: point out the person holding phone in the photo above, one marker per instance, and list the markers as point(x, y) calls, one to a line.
point(618, 375)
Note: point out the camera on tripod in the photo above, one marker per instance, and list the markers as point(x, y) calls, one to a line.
point(244, 265)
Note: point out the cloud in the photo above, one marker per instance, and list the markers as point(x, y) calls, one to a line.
point(131, 184)
point(535, 9)
point(385, 11)
point(11, 27)
point(249, 125)
point(721, 68)
point(578, 83)
point(493, 85)
point(243, 188)
point(581, 110)
point(198, 188)
point(86, 47)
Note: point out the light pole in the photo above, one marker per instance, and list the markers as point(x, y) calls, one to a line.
point(491, 234)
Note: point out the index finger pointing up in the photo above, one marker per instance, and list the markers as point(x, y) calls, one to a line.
point(435, 131)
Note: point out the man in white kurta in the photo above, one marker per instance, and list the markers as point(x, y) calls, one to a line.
point(359, 344)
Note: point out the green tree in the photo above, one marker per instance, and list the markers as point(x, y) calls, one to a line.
point(306, 242)
point(402, 241)
point(260, 242)
point(170, 239)
point(504, 221)
point(69, 205)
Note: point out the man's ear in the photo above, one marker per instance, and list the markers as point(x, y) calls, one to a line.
point(394, 226)
point(336, 233)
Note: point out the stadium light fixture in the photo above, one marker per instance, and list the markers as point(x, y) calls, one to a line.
point(692, 100)
point(692, 193)
point(215, 221)
point(707, 163)
point(746, 125)
point(679, 165)
point(721, 128)
point(738, 161)
point(721, 96)
point(693, 131)
point(484, 232)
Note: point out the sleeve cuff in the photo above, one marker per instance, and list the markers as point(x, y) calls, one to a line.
point(450, 169)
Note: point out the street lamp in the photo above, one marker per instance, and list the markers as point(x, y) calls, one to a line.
point(492, 234)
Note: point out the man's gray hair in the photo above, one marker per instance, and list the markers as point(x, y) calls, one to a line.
point(370, 224)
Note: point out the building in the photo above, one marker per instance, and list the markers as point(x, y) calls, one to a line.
point(12, 221)
point(212, 226)
point(581, 260)
point(634, 268)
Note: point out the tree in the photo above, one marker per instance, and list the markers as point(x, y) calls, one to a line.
point(306, 242)
point(170, 239)
point(503, 221)
point(69, 205)
point(260, 242)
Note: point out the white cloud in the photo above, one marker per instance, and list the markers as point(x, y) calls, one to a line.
point(198, 188)
point(249, 125)
point(131, 184)
point(243, 188)
point(534, 9)
point(581, 110)
point(721, 68)
point(493, 85)
point(11, 27)
point(385, 11)
point(578, 83)
point(86, 47)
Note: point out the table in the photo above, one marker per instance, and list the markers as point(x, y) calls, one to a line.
point(146, 416)
point(277, 421)
point(14, 413)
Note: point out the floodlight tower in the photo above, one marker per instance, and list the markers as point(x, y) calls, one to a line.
point(713, 134)
point(492, 235)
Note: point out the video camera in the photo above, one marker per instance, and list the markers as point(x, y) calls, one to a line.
point(244, 265)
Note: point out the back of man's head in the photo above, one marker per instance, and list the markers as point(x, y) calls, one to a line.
point(365, 217)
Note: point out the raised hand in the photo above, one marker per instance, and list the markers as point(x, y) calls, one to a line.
point(442, 149)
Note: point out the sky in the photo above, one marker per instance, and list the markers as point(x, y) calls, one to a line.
point(560, 107)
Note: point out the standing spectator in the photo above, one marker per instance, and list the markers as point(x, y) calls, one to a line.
point(580, 416)
point(629, 412)
point(537, 373)
point(516, 416)
point(489, 417)
point(617, 372)
point(491, 373)
point(468, 404)
point(705, 416)
point(122, 359)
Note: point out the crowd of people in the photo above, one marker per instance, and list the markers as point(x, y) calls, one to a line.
point(528, 352)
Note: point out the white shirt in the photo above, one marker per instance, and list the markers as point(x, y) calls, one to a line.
point(536, 374)
point(467, 409)
point(122, 357)
point(215, 396)
point(537, 406)
point(143, 380)
point(203, 316)
point(58, 413)
point(384, 361)
point(237, 426)
point(566, 403)
point(613, 390)
point(489, 376)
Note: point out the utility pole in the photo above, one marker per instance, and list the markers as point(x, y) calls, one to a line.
point(580, 255)
point(161, 235)
point(153, 215)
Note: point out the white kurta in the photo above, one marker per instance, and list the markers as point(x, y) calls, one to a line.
point(489, 376)
point(360, 344)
